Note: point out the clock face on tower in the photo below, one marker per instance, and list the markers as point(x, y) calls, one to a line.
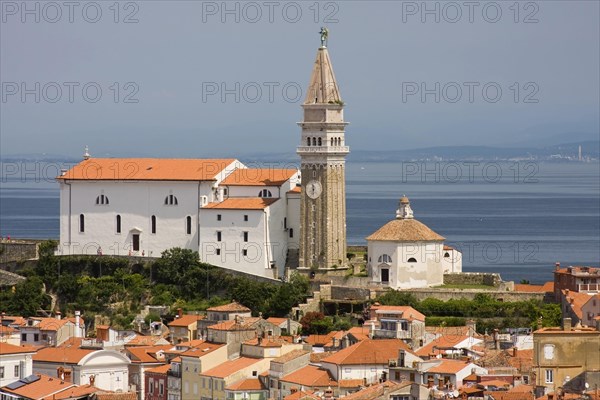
point(314, 189)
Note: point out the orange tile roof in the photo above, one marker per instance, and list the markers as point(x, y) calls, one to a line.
point(6, 330)
point(577, 300)
point(405, 230)
point(229, 367)
point(201, 349)
point(350, 383)
point(141, 340)
point(6, 348)
point(186, 320)
point(242, 203)
point(296, 189)
point(146, 354)
point(48, 324)
point(302, 395)
point(14, 320)
point(116, 396)
point(316, 358)
point(290, 356)
point(232, 325)
point(442, 341)
point(153, 169)
point(319, 340)
point(360, 333)
point(68, 355)
point(310, 376)
point(448, 366)
point(270, 342)
point(369, 352)
point(43, 387)
point(502, 395)
point(161, 369)
point(276, 321)
point(259, 177)
point(376, 391)
point(247, 385)
point(408, 312)
point(231, 307)
point(73, 392)
point(495, 382)
point(522, 389)
point(522, 287)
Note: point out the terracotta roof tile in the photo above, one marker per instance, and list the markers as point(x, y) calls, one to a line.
point(276, 321)
point(186, 320)
point(116, 396)
point(447, 366)
point(232, 325)
point(369, 352)
point(290, 356)
point(319, 340)
point(74, 392)
point(406, 312)
point(161, 369)
point(247, 385)
point(68, 355)
point(259, 177)
point(296, 189)
point(42, 387)
point(302, 395)
point(444, 341)
point(242, 203)
point(202, 349)
point(155, 169)
point(231, 307)
point(229, 367)
point(405, 230)
point(503, 395)
point(310, 376)
point(376, 391)
point(146, 354)
point(6, 348)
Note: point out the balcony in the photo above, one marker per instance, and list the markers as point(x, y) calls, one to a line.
point(588, 287)
point(323, 149)
point(387, 334)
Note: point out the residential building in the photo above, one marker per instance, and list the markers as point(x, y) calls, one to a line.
point(184, 328)
point(576, 279)
point(397, 322)
point(142, 359)
point(50, 331)
point(581, 307)
point(198, 359)
point(174, 379)
point(155, 383)
point(285, 365)
point(215, 380)
point(247, 389)
point(561, 355)
point(226, 312)
point(445, 375)
point(16, 362)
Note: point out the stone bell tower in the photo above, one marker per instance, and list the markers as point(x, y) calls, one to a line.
point(323, 156)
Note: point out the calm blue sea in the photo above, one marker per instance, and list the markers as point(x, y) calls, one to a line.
point(514, 218)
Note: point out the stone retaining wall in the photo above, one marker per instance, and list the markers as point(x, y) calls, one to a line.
point(472, 278)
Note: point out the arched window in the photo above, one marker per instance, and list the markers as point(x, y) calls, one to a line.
point(320, 142)
point(308, 141)
point(314, 141)
point(332, 142)
point(446, 254)
point(265, 193)
point(153, 224)
point(102, 200)
point(81, 223)
point(118, 224)
point(412, 260)
point(188, 225)
point(171, 200)
point(384, 258)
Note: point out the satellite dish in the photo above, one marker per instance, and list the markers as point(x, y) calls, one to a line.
point(587, 386)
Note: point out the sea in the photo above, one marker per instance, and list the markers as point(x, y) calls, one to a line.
point(515, 218)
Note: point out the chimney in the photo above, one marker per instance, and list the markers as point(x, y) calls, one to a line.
point(472, 327)
point(496, 340)
point(179, 312)
point(515, 351)
point(557, 266)
point(58, 315)
point(77, 324)
point(567, 324)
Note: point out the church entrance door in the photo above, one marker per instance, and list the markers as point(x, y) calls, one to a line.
point(136, 242)
point(385, 275)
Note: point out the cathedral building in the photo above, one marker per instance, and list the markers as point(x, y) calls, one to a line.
point(251, 220)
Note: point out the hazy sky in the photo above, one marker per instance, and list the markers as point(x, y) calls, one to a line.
point(410, 76)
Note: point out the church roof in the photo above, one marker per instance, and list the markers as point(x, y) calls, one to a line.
point(322, 88)
point(151, 169)
point(259, 177)
point(405, 230)
point(242, 203)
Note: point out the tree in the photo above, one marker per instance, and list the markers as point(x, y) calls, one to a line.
point(316, 322)
point(172, 265)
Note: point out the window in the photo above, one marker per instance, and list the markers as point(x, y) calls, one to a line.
point(171, 200)
point(291, 232)
point(265, 193)
point(1, 372)
point(23, 337)
point(151, 385)
point(308, 141)
point(244, 252)
point(285, 223)
point(36, 337)
point(384, 258)
point(17, 371)
point(314, 141)
point(245, 236)
point(188, 225)
point(218, 252)
point(81, 223)
point(320, 143)
point(219, 236)
point(549, 351)
point(446, 254)
point(153, 224)
point(549, 376)
point(246, 217)
point(218, 217)
point(118, 224)
point(102, 200)
point(161, 388)
point(412, 260)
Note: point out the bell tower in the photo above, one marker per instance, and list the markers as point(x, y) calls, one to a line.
point(323, 151)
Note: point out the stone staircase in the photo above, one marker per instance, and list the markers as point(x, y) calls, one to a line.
point(312, 303)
